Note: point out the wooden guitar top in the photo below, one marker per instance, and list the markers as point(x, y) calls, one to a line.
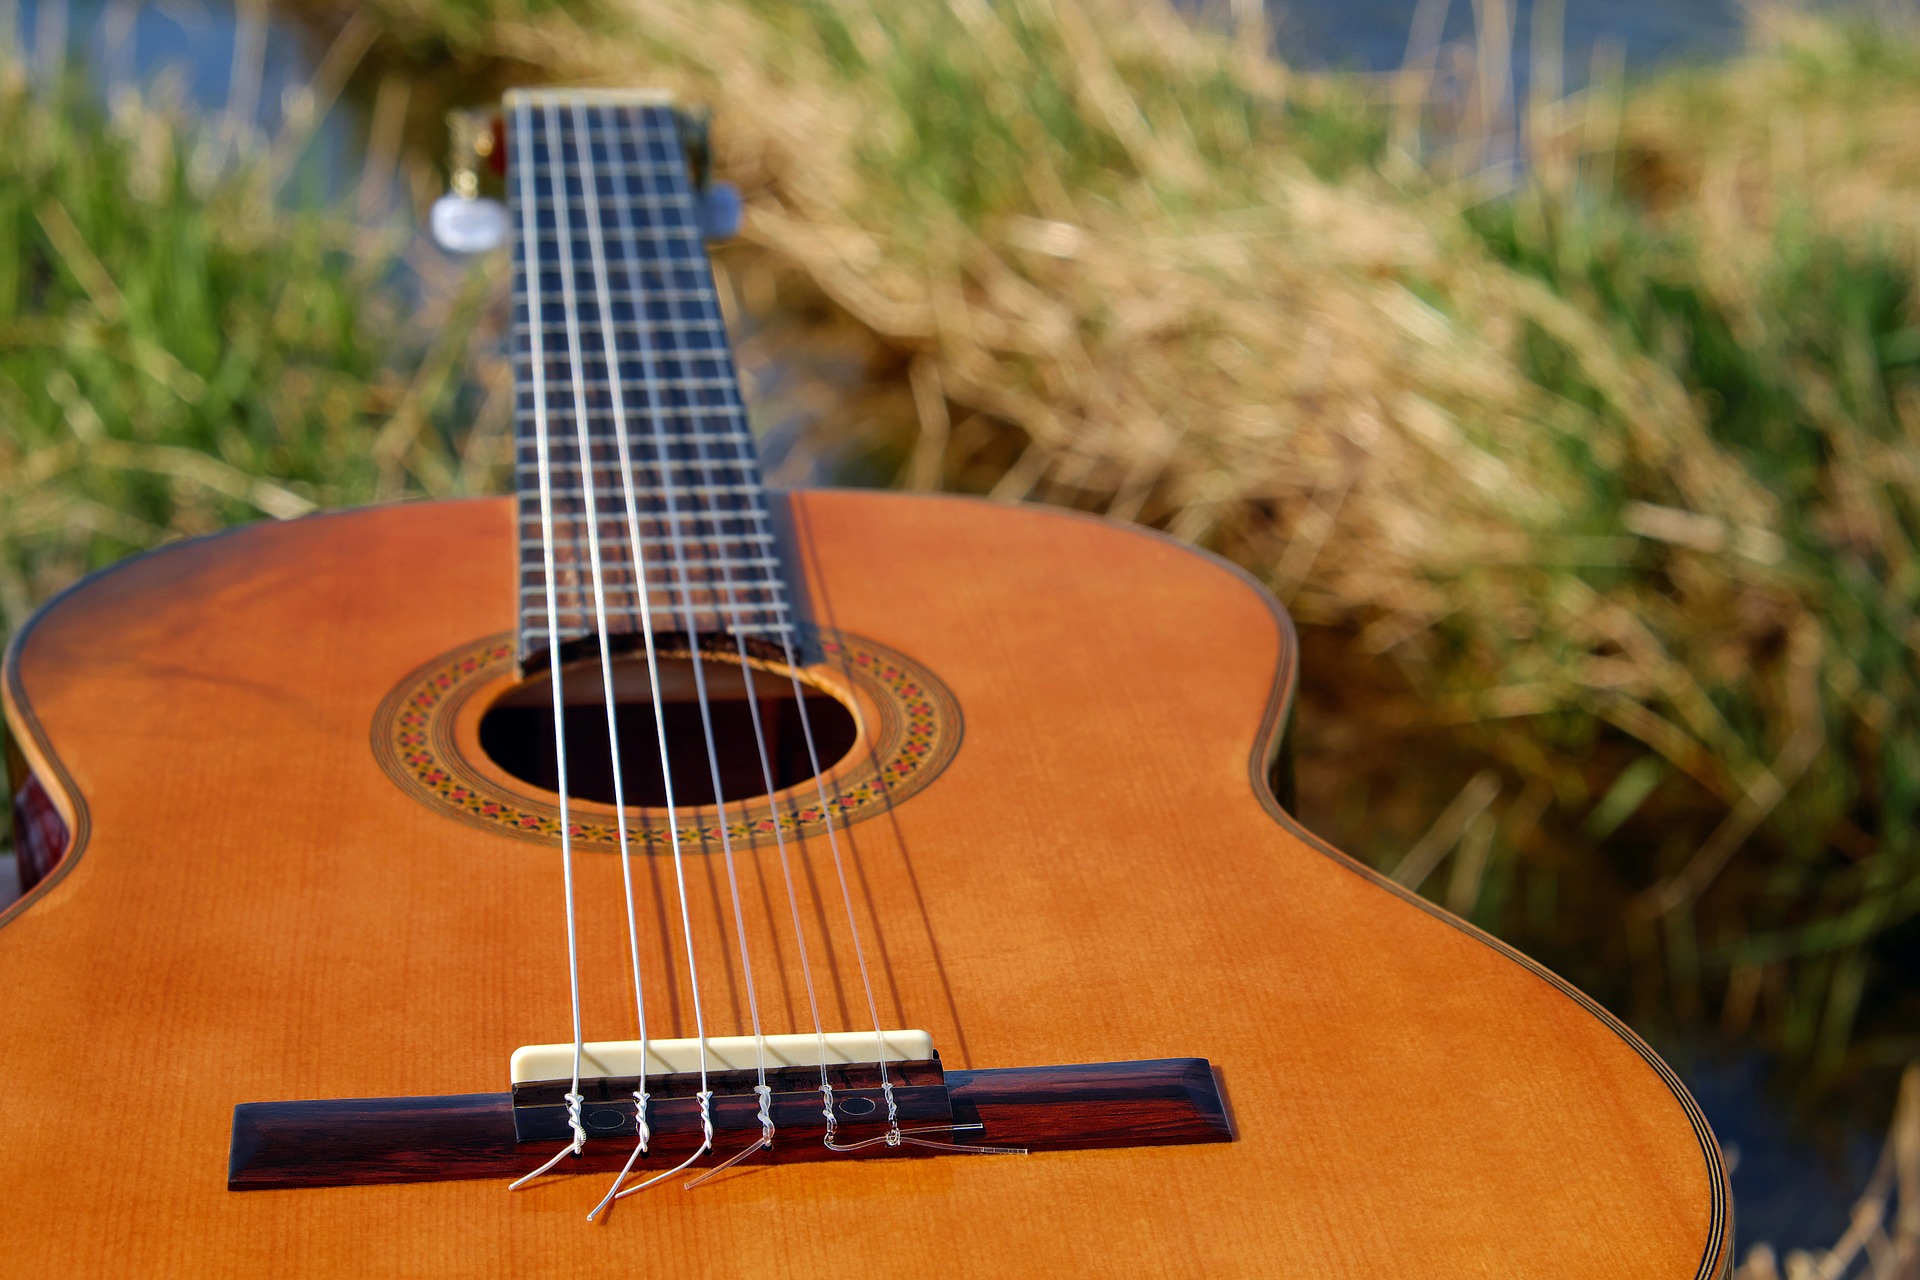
point(257, 908)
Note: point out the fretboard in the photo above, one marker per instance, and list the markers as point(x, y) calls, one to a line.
point(617, 325)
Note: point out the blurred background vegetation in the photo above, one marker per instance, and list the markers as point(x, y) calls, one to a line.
point(1575, 416)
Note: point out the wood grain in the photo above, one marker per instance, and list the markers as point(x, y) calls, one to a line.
point(367, 1141)
point(256, 911)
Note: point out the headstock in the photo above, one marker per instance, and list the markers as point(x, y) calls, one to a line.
point(471, 218)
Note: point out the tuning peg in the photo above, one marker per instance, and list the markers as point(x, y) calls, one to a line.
point(720, 212)
point(463, 220)
point(469, 224)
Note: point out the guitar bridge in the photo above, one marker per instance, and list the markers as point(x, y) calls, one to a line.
point(361, 1141)
point(794, 1066)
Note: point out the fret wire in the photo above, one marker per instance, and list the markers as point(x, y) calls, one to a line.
point(659, 605)
point(751, 576)
point(601, 491)
point(709, 616)
point(581, 633)
point(624, 568)
point(673, 347)
point(744, 459)
point(766, 589)
point(735, 490)
point(665, 542)
point(755, 515)
point(682, 464)
point(659, 294)
point(699, 397)
point(599, 474)
point(712, 349)
point(706, 613)
point(746, 451)
point(669, 305)
point(650, 362)
point(570, 580)
point(632, 308)
point(715, 499)
point(669, 300)
point(757, 580)
point(666, 538)
point(690, 438)
point(727, 410)
point(663, 537)
point(742, 463)
point(705, 601)
point(705, 512)
point(680, 343)
point(630, 611)
point(658, 602)
point(585, 621)
point(679, 383)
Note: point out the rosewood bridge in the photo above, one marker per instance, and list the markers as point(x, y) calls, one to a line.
point(356, 1141)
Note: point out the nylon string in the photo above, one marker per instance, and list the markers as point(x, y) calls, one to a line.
point(530, 249)
point(589, 182)
point(736, 597)
point(895, 1135)
point(738, 606)
point(637, 559)
point(683, 574)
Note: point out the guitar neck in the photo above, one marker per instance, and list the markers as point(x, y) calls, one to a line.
point(631, 438)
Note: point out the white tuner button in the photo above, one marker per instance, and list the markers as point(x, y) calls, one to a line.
point(465, 224)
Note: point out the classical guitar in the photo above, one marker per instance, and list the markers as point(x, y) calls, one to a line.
point(652, 873)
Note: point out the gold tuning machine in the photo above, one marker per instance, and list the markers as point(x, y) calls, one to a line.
point(463, 220)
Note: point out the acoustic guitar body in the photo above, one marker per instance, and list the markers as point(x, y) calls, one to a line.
point(1061, 846)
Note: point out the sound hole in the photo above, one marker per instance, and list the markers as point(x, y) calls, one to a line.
point(517, 732)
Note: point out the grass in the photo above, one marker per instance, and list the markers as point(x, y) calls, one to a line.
point(190, 337)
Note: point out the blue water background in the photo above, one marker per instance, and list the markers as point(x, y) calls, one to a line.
point(1371, 35)
point(185, 49)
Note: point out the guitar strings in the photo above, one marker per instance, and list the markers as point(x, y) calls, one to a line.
point(708, 300)
point(637, 560)
point(589, 485)
point(710, 304)
point(530, 250)
point(664, 201)
point(736, 597)
point(738, 606)
point(676, 541)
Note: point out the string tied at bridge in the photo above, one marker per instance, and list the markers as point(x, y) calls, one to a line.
point(895, 1136)
point(574, 1102)
point(764, 1141)
point(617, 1192)
point(766, 1112)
